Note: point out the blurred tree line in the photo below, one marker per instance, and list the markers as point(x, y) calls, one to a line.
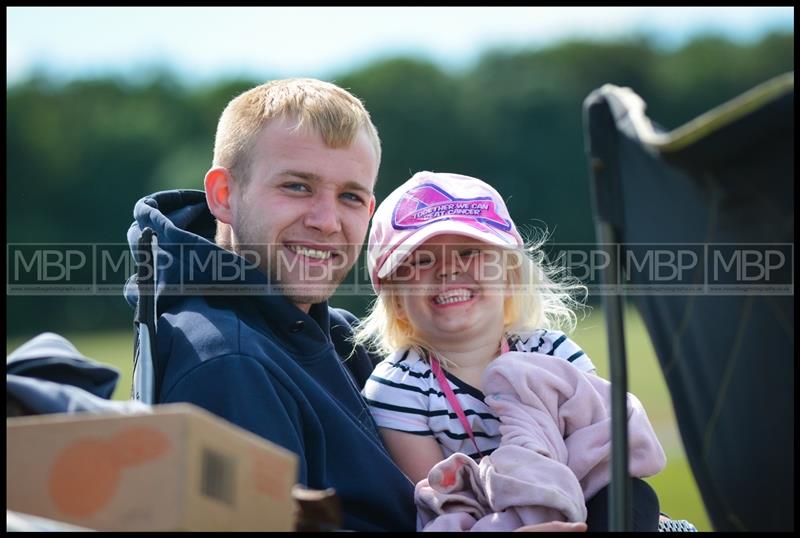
point(80, 154)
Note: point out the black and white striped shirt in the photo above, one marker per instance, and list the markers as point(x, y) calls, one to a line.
point(403, 394)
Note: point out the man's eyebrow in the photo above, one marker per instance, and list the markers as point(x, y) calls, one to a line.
point(302, 175)
point(308, 176)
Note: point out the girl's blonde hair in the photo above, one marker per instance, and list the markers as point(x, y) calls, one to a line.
point(542, 296)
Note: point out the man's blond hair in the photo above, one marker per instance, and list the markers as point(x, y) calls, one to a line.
point(335, 113)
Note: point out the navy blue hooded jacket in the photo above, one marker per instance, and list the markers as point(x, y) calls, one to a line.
point(260, 362)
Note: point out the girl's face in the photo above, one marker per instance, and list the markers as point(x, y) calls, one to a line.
point(452, 289)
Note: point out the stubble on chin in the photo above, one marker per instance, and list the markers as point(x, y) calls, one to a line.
point(310, 286)
point(311, 293)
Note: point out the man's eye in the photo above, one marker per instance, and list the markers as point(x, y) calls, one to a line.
point(298, 187)
point(353, 197)
point(469, 252)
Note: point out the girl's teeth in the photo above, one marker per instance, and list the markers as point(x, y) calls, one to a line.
point(453, 297)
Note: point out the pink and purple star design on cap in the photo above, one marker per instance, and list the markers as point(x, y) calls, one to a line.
point(428, 203)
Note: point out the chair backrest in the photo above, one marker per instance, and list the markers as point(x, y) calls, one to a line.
point(702, 224)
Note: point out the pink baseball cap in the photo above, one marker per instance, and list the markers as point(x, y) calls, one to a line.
point(431, 204)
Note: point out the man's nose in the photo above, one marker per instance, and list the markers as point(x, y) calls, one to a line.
point(323, 214)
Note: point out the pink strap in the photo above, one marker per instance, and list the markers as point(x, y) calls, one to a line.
point(451, 397)
point(448, 392)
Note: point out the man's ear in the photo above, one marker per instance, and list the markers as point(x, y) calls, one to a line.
point(219, 193)
point(371, 205)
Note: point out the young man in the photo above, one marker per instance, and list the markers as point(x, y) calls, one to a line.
point(244, 273)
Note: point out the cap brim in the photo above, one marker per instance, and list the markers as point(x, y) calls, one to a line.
point(410, 243)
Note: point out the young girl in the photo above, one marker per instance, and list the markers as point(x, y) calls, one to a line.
point(456, 289)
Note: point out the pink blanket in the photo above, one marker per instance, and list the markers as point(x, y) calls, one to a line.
point(555, 450)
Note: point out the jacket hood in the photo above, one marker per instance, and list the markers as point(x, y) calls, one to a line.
point(187, 258)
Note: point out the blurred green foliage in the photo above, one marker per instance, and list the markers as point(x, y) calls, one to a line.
point(80, 154)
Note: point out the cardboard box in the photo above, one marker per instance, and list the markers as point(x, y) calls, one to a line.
point(180, 468)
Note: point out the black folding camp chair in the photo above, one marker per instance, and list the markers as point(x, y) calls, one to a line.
point(715, 197)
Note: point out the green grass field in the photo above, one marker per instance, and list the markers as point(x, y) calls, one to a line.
point(675, 485)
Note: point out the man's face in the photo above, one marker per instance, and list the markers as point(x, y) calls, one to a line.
point(305, 208)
